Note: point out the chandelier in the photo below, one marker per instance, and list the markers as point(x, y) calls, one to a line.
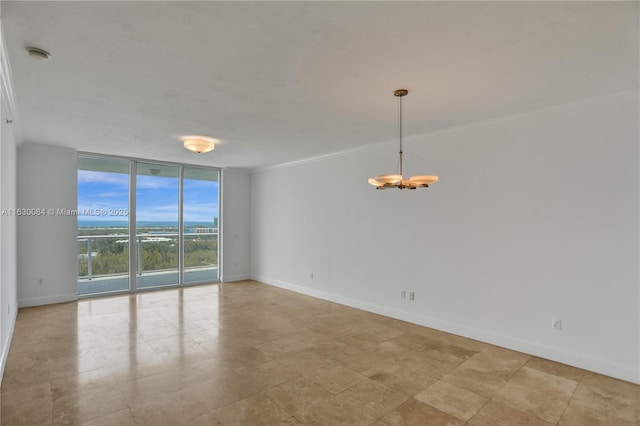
point(397, 180)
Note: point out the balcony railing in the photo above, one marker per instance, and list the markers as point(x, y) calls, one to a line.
point(107, 256)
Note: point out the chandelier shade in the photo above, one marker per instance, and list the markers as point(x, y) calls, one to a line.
point(397, 180)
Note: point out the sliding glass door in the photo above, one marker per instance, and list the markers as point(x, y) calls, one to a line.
point(200, 232)
point(172, 237)
point(103, 225)
point(157, 225)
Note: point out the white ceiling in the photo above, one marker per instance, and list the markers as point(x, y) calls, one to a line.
point(282, 81)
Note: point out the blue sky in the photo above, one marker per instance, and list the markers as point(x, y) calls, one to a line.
point(157, 197)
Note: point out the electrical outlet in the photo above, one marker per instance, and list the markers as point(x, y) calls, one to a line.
point(403, 294)
point(412, 295)
point(556, 323)
point(312, 275)
point(40, 281)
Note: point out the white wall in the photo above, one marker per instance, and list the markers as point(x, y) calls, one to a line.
point(535, 217)
point(47, 246)
point(8, 263)
point(8, 166)
point(236, 219)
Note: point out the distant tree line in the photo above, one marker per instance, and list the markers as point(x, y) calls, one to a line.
point(112, 257)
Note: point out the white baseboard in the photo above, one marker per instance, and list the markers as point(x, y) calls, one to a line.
point(7, 343)
point(628, 373)
point(237, 277)
point(47, 300)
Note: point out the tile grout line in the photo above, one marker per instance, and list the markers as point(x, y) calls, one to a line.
point(570, 399)
point(498, 391)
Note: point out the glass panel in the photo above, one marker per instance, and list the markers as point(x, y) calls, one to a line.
point(157, 247)
point(103, 225)
point(200, 215)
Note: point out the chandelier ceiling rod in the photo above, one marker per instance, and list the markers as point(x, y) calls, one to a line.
point(400, 93)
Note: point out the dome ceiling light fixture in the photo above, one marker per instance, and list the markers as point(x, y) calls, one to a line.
point(199, 144)
point(397, 180)
point(37, 53)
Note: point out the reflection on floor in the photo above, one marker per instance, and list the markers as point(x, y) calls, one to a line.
point(247, 353)
point(110, 283)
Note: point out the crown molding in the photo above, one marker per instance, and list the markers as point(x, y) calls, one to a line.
point(335, 154)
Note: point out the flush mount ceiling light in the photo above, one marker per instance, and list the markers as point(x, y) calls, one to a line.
point(397, 180)
point(199, 144)
point(37, 53)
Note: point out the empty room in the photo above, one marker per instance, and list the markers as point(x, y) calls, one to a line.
point(320, 213)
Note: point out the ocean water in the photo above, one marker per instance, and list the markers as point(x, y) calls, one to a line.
point(141, 224)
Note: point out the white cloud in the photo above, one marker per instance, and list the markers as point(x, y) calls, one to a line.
point(118, 179)
point(155, 182)
point(111, 194)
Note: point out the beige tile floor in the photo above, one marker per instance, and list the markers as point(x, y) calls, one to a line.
point(247, 353)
